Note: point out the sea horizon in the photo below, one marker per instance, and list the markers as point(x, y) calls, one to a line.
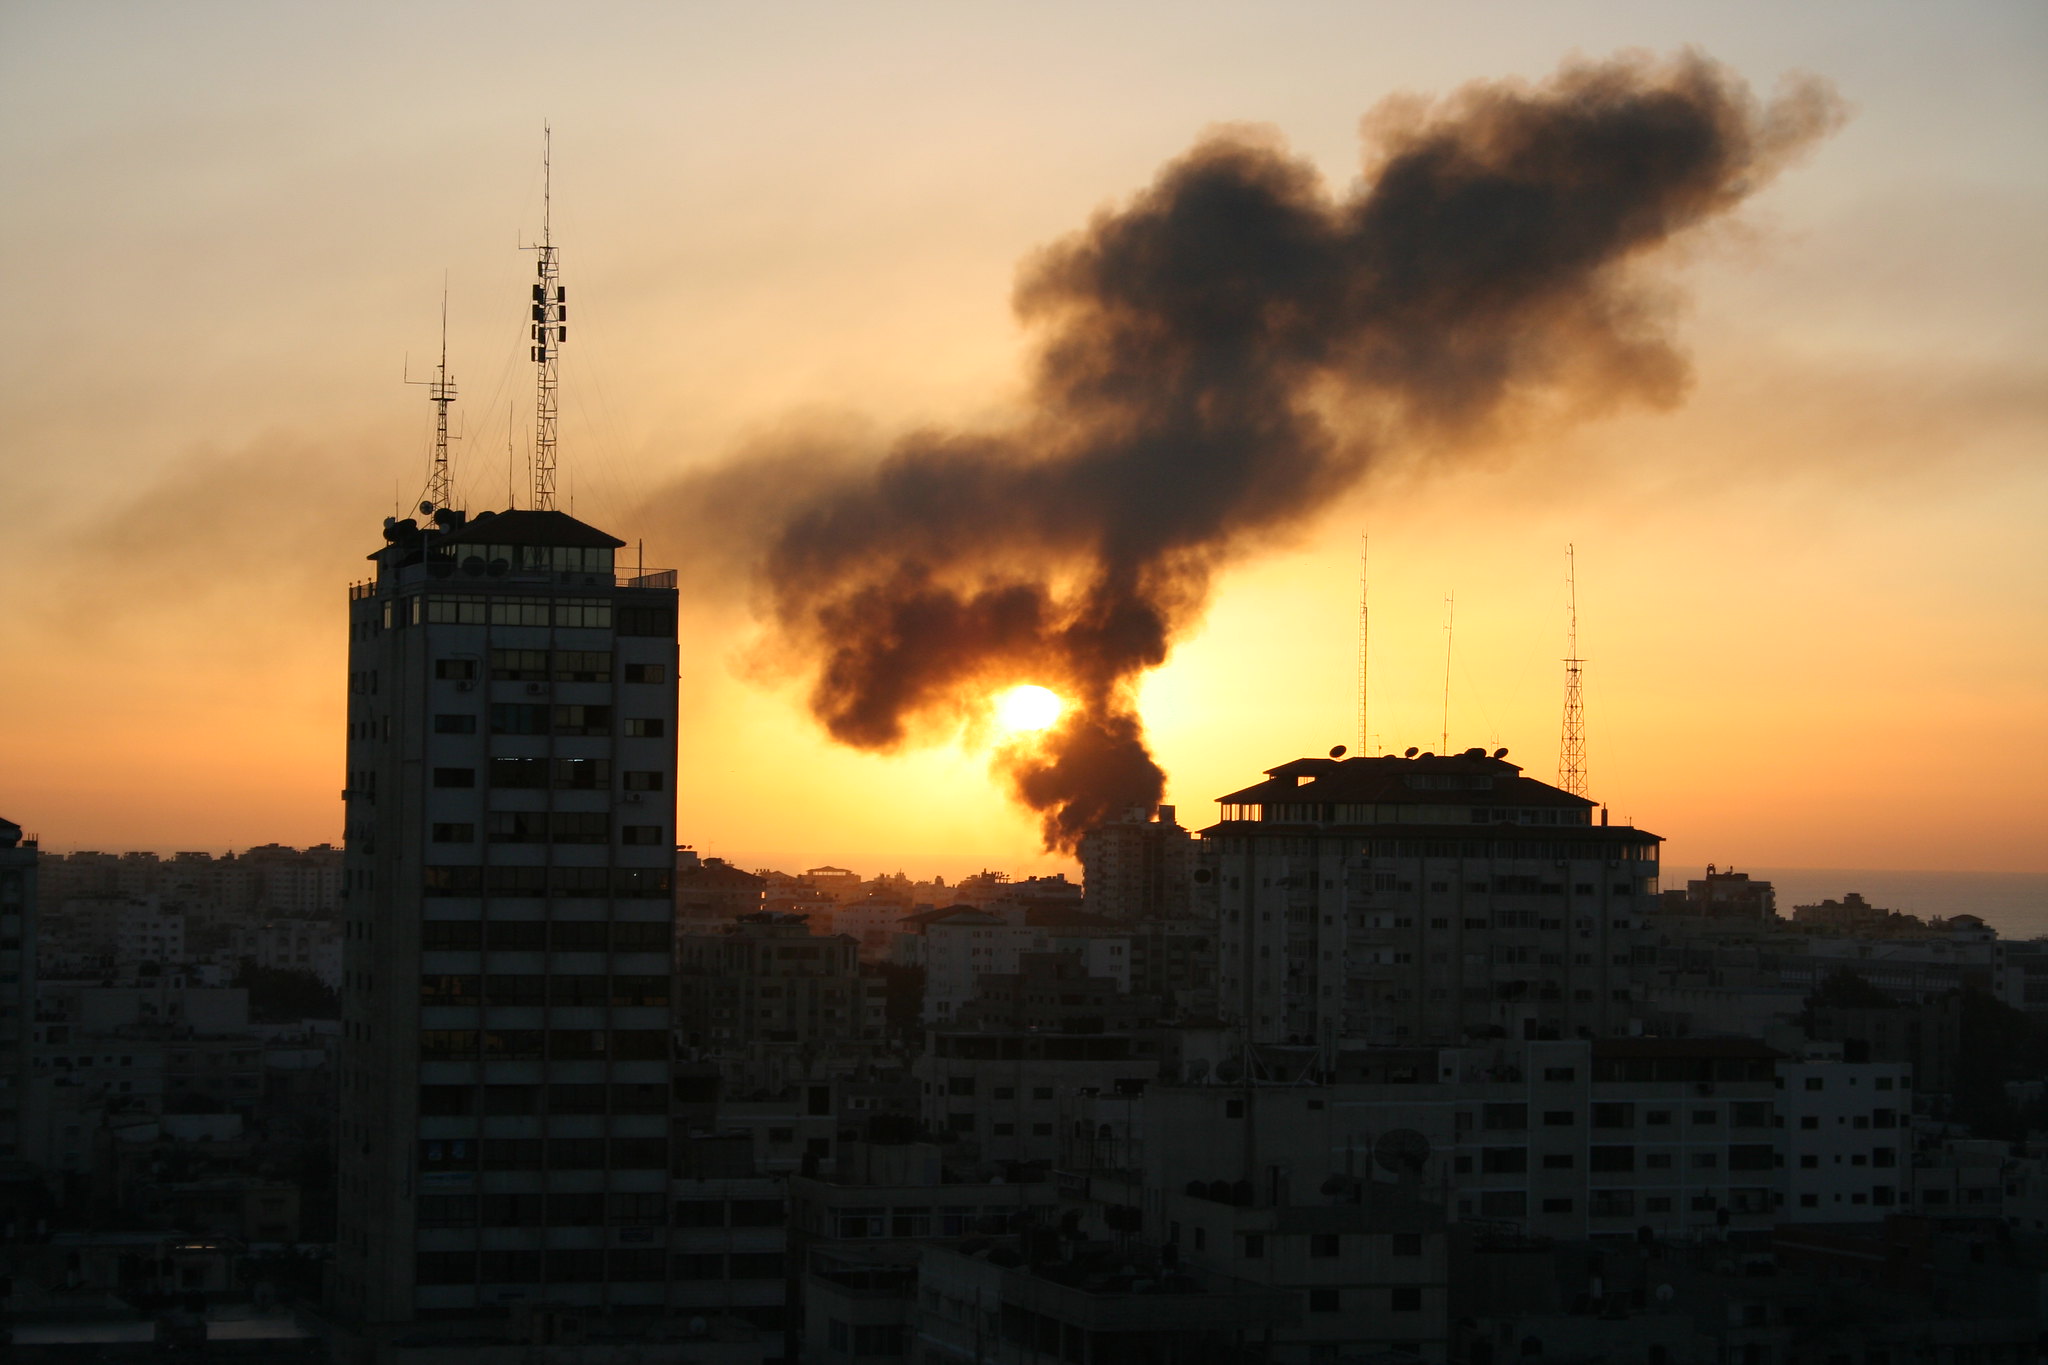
point(2014, 903)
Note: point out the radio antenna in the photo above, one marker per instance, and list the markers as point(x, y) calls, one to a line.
point(1364, 634)
point(441, 392)
point(1450, 617)
point(548, 331)
point(1571, 749)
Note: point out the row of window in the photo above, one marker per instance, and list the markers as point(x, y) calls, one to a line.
point(540, 718)
point(1508, 1117)
point(535, 936)
point(442, 609)
point(561, 1044)
point(557, 1154)
point(627, 882)
point(466, 1101)
point(616, 1266)
point(531, 989)
point(540, 827)
point(564, 774)
point(543, 1210)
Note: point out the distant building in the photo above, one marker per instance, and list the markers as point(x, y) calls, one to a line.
point(1139, 867)
point(1724, 895)
point(767, 979)
point(1432, 899)
point(711, 893)
point(18, 865)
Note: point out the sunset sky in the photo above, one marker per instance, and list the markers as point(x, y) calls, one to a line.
point(1813, 596)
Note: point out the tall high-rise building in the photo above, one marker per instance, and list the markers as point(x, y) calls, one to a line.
point(1432, 899)
point(17, 982)
point(506, 1105)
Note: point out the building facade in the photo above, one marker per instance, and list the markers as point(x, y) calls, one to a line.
point(510, 806)
point(1397, 901)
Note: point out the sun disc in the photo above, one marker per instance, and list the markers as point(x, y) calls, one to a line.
point(1028, 707)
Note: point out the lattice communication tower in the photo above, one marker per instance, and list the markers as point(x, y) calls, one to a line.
point(549, 329)
point(1571, 752)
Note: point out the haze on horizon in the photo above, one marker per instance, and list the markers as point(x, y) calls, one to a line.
point(1812, 596)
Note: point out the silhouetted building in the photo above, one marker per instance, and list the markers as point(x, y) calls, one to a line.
point(510, 807)
point(1139, 867)
point(1433, 899)
point(17, 981)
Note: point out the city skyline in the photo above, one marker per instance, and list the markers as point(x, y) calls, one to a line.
point(1811, 613)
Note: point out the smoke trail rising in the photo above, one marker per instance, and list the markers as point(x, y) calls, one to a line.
point(1224, 355)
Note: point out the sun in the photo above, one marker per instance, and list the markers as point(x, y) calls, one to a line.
point(1028, 707)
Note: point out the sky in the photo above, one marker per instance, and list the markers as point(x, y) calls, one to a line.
point(1812, 596)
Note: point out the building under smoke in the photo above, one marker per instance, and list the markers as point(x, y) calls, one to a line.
point(1139, 867)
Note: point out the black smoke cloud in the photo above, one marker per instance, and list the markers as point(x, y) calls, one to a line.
point(1220, 359)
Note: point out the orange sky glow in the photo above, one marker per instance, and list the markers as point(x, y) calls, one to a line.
point(1813, 596)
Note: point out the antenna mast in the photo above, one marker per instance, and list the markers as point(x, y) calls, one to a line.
point(1571, 753)
point(548, 332)
point(440, 392)
point(1450, 617)
point(1364, 624)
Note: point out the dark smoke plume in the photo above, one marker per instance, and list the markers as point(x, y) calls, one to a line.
point(1224, 356)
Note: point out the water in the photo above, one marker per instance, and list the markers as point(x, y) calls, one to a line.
point(2014, 903)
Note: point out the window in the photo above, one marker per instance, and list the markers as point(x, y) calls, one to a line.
point(1407, 1298)
point(516, 936)
point(579, 774)
point(519, 665)
point(455, 777)
point(1614, 1116)
point(656, 621)
point(518, 718)
point(1503, 1204)
point(1657, 1118)
point(1613, 1203)
point(455, 670)
point(583, 720)
point(1324, 1301)
point(576, 1154)
point(1613, 1159)
point(1557, 1206)
point(1325, 1244)
point(1815, 1083)
point(454, 833)
point(1557, 1161)
point(517, 827)
point(444, 1267)
point(1504, 1160)
point(579, 827)
point(519, 772)
point(1254, 1246)
point(446, 724)
point(1504, 1117)
point(456, 935)
point(1559, 1118)
point(1407, 1244)
point(447, 1210)
point(646, 727)
point(583, 665)
point(643, 780)
point(646, 673)
point(451, 990)
point(640, 834)
point(1809, 1122)
point(1706, 1118)
point(1705, 1161)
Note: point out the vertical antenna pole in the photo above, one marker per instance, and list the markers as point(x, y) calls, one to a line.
point(1364, 635)
point(548, 331)
point(1571, 751)
point(1450, 618)
point(511, 486)
point(440, 392)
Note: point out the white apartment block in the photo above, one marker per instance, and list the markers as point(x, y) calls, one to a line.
point(1846, 1135)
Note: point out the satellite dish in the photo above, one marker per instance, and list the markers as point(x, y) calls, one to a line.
point(447, 516)
point(499, 568)
point(473, 565)
point(1401, 1151)
point(1337, 752)
point(1500, 753)
point(1412, 751)
point(426, 509)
